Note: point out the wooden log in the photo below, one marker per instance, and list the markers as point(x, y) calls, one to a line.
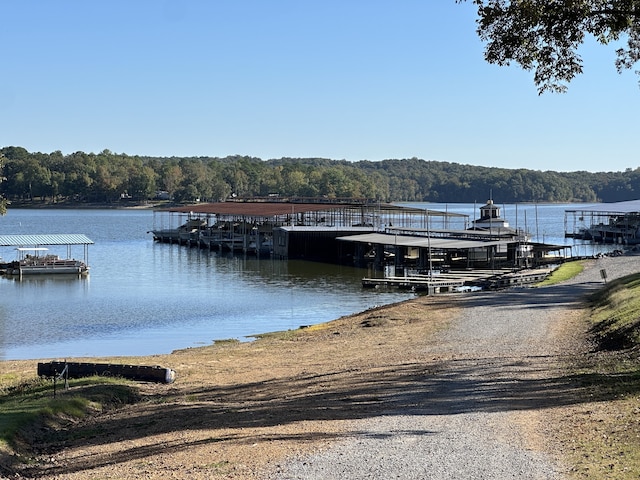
point(132, 372)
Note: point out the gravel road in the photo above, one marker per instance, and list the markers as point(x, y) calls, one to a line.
point(500, 358)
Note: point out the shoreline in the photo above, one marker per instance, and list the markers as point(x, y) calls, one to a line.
point(84, 206)
point(251, 339)
point(284, 394)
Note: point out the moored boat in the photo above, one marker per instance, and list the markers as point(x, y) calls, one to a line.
point(36, 261)
point(615, 223)
point(187, 233)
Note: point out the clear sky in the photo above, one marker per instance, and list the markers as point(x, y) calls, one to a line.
point(338, 79)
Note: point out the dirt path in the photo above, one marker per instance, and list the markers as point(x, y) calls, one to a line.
point(476, 411)
point(433, 386)
point(498, 375)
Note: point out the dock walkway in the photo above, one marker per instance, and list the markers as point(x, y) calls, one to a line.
point(455, 280)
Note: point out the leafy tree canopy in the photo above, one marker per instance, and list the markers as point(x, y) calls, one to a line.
point(3, 201)
point(113, 178)
point(543, 36)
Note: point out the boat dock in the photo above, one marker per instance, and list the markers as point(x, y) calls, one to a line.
point(375, 236)
point(459, 281)
point(34, 257)
point(615, 223)
point(285, 229)
point(413, 283)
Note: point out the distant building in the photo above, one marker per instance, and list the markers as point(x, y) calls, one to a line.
point(162, 195)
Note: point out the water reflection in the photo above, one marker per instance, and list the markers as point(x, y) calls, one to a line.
point(144, 298)
point(47, 279)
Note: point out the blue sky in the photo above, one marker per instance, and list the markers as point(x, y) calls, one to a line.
point(339, 79)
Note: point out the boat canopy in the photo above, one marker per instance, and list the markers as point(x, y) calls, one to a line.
point(627, 207)
point(48, 239)
point(36, 243)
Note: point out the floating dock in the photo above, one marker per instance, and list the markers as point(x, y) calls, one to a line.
point(413, 283)
point(457, 280)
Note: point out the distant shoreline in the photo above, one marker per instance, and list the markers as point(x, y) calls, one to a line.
point(85, 206)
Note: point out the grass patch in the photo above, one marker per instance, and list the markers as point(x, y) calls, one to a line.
point(564, 272)
point(226, 341)
point(278, 335)
point(605, 434)
point(30, 404)
point(294, 333)
point(615, 315)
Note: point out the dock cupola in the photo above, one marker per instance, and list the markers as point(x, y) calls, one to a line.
point(489, 211)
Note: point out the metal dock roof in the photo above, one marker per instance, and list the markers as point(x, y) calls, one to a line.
point(424, 242)
point(48, 239)
point(630, 206)
point(266, 209)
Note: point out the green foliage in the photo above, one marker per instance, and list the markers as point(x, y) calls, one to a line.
point(616, 314)
point(3, 201)
point(109, 177)
point(544, 36)
point(564, 272)
point(28, 404)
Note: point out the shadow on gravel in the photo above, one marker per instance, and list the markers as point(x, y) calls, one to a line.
point(230, 414)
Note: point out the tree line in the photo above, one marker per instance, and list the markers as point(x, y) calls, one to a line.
point(108, 177)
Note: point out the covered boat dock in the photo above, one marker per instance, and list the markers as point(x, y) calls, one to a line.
point(426, 253)
point(27, 244)
point(617, 222)
point(451, 263)
point(284, 229)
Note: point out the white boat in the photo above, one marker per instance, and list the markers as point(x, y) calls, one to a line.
point(187, 233)
point(37, 261)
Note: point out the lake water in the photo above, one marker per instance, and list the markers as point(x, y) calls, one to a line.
point(145, 298)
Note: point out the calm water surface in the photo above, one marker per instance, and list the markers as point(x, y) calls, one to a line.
point(144, 298)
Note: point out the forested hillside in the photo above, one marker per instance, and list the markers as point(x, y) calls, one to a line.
point(108, 177)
